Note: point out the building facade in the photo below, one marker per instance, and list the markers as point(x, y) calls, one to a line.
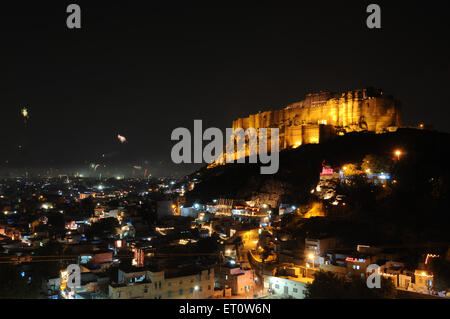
point(140, 283)
point(321, 116)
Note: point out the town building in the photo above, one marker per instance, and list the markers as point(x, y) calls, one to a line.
point(241, 281)
point(289, 282)
point(143, 283)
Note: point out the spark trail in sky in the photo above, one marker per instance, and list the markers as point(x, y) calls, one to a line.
point(121, 138)
point(25, 114)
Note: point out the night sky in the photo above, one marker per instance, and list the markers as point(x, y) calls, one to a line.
point(142, 71)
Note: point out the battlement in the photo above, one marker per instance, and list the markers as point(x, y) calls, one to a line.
point(320, 116)
point(322, 97)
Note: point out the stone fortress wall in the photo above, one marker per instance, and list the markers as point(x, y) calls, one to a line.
point(321, 116)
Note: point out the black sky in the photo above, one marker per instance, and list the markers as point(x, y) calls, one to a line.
point(142, 71)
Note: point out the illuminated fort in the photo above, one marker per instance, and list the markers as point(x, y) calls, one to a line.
point(321, 116)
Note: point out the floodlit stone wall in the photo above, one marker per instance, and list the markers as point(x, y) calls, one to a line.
point(322, 115)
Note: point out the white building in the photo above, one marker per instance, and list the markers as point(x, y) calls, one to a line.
point(291, 282)
point(140, 283)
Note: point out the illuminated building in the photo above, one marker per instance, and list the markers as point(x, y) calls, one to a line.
point(321, 116)
point(289, 282)
point(85, 195)
point(319, 246)
point(241, 281)
point(142, 283)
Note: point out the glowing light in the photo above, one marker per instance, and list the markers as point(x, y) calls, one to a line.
point(121, 138)
point(430, 256)
point(25, 114)
point(47, 206)
point(398, 153)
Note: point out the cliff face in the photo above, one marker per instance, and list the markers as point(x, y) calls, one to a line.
point(321, 115)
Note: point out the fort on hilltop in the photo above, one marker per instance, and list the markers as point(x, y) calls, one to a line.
point(321, 116)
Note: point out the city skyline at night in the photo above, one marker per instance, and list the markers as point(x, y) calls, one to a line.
point(220, 158)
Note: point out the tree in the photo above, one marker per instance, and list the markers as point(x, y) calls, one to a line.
point(376, 164)
point(327, 285)
point(351, 170)
point(441, 272)
point(359, 290)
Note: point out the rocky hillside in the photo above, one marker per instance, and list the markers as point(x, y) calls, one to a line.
point(425, 155)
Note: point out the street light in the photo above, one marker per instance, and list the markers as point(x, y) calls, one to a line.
point(398, 153)
point(311, 256)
